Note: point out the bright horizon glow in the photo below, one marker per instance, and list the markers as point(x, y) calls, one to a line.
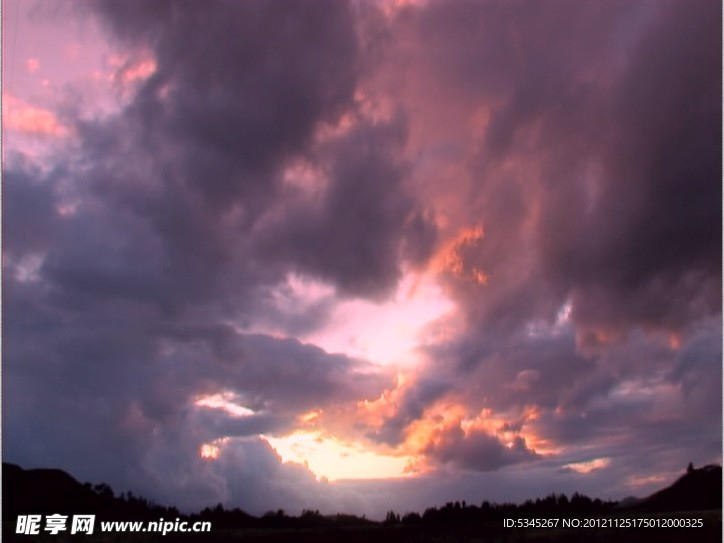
point(331, 459)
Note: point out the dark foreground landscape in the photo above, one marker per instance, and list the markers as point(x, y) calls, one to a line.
point(695, 499)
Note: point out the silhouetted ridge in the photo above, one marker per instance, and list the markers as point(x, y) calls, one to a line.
point(51, 491)
point(697, 489)
point(43, 491)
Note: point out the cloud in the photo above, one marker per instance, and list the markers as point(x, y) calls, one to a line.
point(143, 287)
point(563, 154)
point(411, 407)
point(567, 159)
point(30, 119)
point(234, 106)
point(353, 236)
point(554, 174)
point(476, 450)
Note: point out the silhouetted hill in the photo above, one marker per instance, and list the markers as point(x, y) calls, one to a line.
point(696, 490)
point(53, 491)
point(49, 491)
point(44, 491)
point(628, 501)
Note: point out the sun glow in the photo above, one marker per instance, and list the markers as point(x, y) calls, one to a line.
point(212, 451)
point(332, 459)
point(387, 332)
point(383, 333)
point(209, 451)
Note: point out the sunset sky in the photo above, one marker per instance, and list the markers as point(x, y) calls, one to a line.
point(361, 256)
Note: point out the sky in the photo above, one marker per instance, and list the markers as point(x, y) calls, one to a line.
point(359, 256)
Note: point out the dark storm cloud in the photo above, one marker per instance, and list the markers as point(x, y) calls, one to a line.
point(277, 371)
point(126, 311)
point(175, 184)
point(121, 380)
point(658, 263)
point(246, 83)
point(239, 91)
point(356, 235)
point(476, 450)
point(638, 242)
point(697, 371)
point(596, 173)
point(542, 371)
point(586, 141)
point(32, 221)
point(195, 159)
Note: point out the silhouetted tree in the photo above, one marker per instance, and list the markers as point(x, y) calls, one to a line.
point(392, 518)
point(411, 519)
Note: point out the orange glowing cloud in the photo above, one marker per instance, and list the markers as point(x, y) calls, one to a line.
point(29, 119)
point(334, 443)
point(212, 451)
point(448, 416)
point(374, 412)
point(448, 432)
point(533, 436)
point(450, 257)
point(420, 434)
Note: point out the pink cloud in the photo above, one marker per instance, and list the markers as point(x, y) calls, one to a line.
point(29, 119)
